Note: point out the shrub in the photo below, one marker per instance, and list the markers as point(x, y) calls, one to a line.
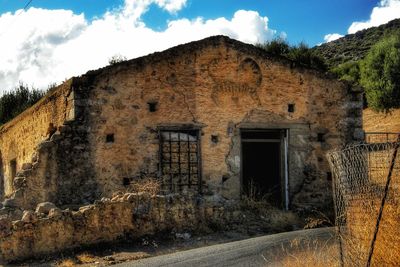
point(348, 71)
point(276, 47)
point(380, 74)
point(117, 58)
point(301, 54)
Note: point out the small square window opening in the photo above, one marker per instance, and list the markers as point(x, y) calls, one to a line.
point(110, 138)
point(152, 106)
point(321, 137)
point(291, 108)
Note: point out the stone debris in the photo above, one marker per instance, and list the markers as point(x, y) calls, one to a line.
point(45, 207)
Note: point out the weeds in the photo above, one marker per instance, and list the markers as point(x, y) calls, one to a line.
point(358, 233)
point(86, 258)
point(307, 252)
point(147, 185)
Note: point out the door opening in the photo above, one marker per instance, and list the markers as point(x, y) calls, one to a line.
point(264, 167)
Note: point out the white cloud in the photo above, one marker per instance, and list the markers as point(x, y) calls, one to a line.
point(386, 11)
point(46, 46)
point(332, 37)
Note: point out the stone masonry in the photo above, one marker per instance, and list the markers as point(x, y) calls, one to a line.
point(94, 134)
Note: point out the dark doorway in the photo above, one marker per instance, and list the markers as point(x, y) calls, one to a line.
point(262, 168)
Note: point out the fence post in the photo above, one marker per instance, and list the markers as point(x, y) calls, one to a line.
point(389, 177)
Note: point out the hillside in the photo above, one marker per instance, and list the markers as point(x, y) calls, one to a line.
point(353, 47)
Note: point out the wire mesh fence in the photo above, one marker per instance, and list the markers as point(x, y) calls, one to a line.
point(366, 188)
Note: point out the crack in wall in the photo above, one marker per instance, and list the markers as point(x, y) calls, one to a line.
point(186, 103)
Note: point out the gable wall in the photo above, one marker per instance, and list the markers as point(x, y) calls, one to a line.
point(219, 88)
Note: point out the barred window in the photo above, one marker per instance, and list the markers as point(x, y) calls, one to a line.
point(179, 160)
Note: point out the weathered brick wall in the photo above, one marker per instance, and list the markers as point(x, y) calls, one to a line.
point(129, 215)
point(20, 137)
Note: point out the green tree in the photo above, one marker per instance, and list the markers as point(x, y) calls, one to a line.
point(380, 74)
point(16, 101)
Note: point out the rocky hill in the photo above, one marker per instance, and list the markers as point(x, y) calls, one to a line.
point(353, 47)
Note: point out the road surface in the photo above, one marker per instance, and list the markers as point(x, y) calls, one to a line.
point(249, 252)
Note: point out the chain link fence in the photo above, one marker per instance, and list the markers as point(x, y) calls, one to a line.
point(366, 188)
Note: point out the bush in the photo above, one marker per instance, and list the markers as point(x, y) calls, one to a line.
point(116, 59)
point(301, 54)
point(348, 71)
point(276, 47)
point(380, 74)
point(16, 101)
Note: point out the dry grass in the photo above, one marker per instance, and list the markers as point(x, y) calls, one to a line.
point(307, 252)
point(275, 218)
point(66, 263)
point(358, 234)
point(147, 185)
point(86, 258)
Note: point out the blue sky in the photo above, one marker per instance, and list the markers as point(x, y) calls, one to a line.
point(308, 20)
point(53, 40)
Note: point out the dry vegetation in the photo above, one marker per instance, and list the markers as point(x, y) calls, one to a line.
point(307, 252)
point(147, 185)
point(381, 122)
point(360, 229)
point(268, 217)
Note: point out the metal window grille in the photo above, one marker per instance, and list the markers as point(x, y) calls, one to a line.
point(180, 160)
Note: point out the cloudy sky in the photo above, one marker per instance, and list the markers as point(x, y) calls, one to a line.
point(47, 41)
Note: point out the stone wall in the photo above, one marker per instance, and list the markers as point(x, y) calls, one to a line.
point(50, 230)
point(61, 170)
point(219, 86)
point(19, 138)
point(109, 134)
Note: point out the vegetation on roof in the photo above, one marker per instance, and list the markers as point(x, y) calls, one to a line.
point(301, 54)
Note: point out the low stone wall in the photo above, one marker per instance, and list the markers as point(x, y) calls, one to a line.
point(50, 229)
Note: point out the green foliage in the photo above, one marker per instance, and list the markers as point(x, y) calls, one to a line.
point(276, 47)
point(348, 71)
point(380, 74)
point(16, 101)
point(301, 54)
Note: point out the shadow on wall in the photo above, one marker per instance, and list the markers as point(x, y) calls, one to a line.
point(2, 189)
point(10, 169)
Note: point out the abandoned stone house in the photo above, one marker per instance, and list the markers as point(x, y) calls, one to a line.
point(215, 116)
